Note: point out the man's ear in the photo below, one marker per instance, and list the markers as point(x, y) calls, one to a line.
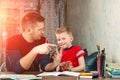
point(29, 28)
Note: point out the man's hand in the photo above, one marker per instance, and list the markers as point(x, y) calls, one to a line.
point(43, 49)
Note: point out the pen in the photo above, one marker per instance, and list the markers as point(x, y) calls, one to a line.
point(103, 61)
point(99, 61)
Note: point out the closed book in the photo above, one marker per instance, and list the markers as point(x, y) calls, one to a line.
point(113, 75)
point(86, 77)
point(86, 74)
point(113, 68)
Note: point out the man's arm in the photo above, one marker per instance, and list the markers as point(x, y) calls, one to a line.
point(27, 60)
point(12, 61)
point(15, 62)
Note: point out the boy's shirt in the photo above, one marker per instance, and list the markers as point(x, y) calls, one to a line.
point(72, 54)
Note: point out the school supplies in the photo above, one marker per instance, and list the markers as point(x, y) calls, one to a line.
point(100, 61)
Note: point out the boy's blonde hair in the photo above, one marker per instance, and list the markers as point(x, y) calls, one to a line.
point(63, 29)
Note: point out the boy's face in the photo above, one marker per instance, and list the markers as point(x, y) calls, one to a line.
point(64, 40)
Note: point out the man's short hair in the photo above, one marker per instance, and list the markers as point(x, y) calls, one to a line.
point(31, 17)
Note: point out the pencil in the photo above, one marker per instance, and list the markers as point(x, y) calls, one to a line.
point(86, 74)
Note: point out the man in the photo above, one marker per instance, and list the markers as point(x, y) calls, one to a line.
point(24, 51)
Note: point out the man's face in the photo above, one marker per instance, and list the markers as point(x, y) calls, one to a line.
point(38, 30)
point(64, 40)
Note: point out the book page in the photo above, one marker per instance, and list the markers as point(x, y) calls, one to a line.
point(64, 73)
point(17, 76)
point(49, 74)
point(71, 73)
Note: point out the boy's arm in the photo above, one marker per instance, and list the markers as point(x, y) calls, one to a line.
point(56, 61)
point(46, 63)
point(81, 66)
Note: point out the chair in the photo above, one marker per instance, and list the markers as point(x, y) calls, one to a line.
point(3, 67)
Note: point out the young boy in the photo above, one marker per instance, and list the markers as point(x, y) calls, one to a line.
point(72, 56)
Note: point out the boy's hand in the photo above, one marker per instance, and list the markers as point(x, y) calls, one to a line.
point(64, 66)
point(57, 55)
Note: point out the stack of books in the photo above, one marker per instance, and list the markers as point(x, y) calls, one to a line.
point(113, 70)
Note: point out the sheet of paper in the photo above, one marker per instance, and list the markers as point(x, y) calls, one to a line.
point(18, 76)
point(49, 74)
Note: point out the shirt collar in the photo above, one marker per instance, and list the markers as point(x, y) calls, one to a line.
point(68, 48)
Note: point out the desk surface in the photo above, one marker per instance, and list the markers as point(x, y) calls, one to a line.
point(72, 78)
point(53, 77)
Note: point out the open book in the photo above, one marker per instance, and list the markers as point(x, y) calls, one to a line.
point(66, 73)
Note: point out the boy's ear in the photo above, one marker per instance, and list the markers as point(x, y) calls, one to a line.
point(72, 38)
